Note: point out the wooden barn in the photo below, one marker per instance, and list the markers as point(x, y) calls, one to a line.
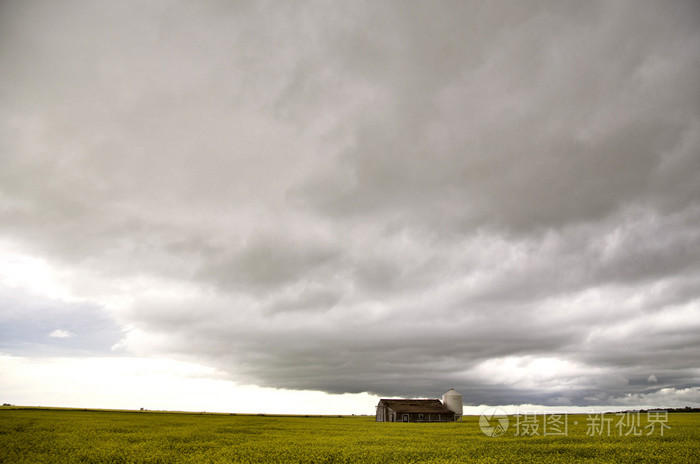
point(395, 410)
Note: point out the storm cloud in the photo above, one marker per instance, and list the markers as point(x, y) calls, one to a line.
point(394, 198)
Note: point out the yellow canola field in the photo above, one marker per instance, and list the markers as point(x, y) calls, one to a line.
point(82, 436)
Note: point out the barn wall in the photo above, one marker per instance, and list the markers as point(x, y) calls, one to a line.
point(416, 417)
point(381, 414)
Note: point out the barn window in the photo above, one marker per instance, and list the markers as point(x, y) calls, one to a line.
point(420, 416)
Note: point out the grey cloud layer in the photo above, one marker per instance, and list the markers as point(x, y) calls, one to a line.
point(31, 325)
point(395, 198)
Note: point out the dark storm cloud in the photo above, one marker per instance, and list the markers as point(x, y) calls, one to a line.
point(395, 198)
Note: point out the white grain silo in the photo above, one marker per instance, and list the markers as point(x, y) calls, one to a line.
point(453, 401)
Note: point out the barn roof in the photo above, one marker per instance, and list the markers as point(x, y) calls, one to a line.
point(433, 406)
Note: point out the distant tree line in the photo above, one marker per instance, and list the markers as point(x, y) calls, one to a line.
point(685, 409)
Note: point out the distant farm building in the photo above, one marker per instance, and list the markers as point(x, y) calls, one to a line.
point(421, 410)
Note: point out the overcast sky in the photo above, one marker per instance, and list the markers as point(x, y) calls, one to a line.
point(377, 198)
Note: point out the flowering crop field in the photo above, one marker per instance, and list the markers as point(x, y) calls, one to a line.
point(70, 436)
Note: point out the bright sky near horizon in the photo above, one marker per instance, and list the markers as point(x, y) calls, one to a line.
point(300, 207)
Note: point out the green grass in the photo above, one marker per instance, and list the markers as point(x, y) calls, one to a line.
point(70, 436)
